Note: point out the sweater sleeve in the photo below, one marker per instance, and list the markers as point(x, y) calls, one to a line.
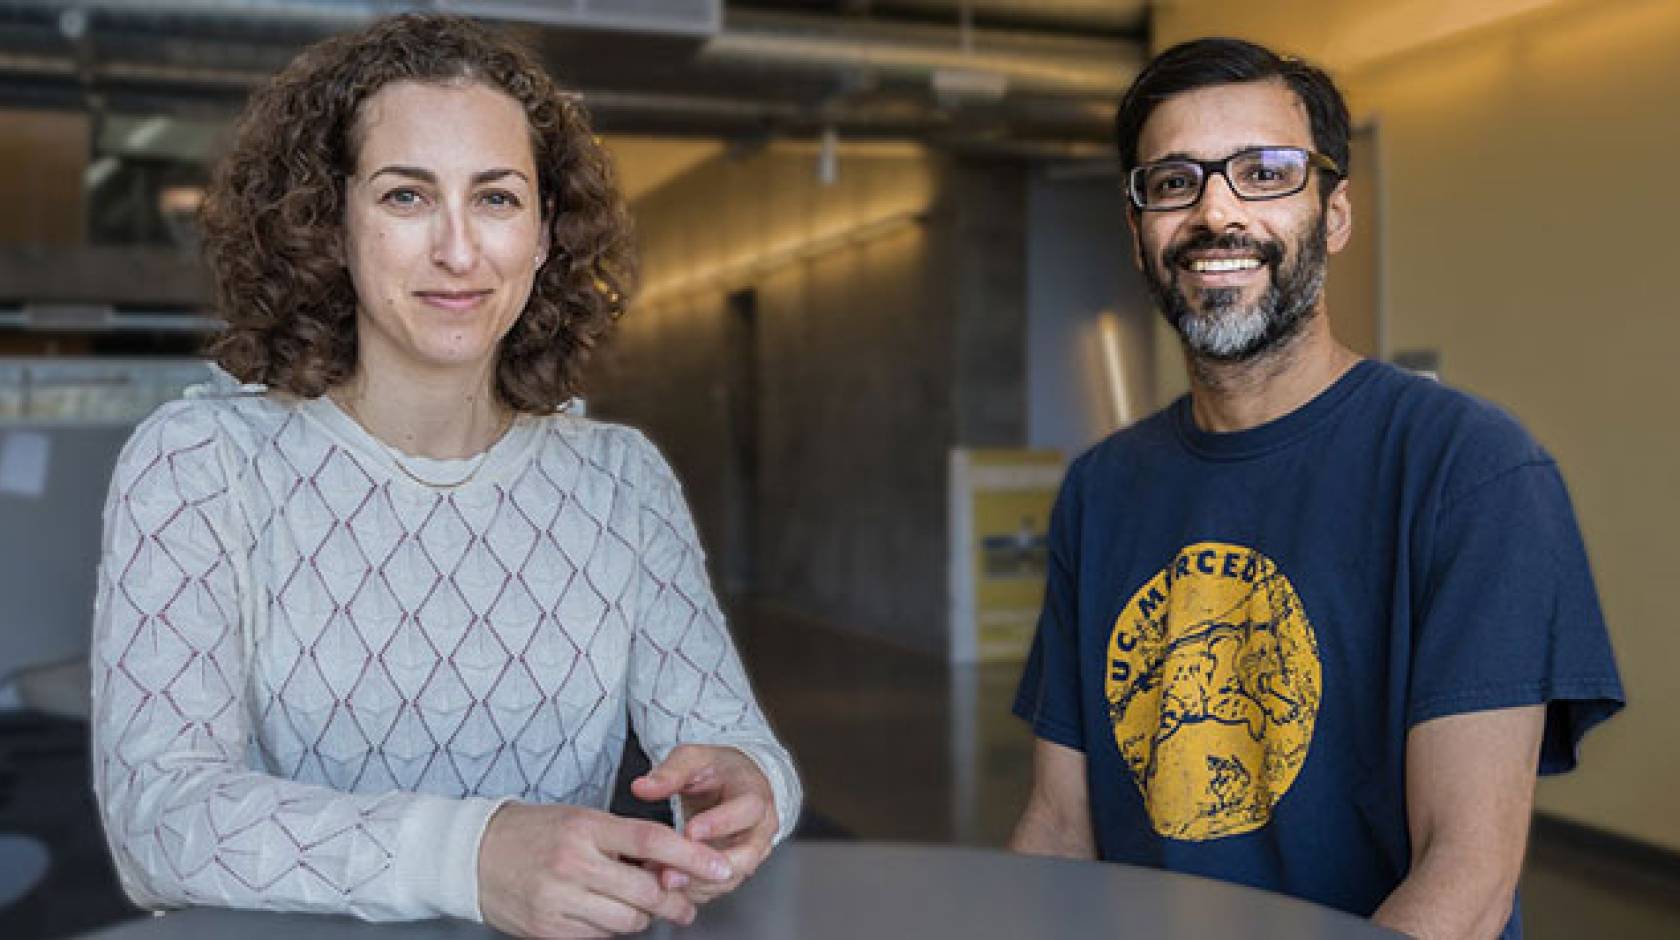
point(188, 821)
point(687, 684)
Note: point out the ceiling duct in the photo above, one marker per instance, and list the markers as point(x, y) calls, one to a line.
point(676, 17)
point(1081, 17)
point(978, 57)
point(984, 57)
point(759, 72)
point(694, 18)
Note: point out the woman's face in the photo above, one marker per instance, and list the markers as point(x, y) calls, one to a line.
point(443, 226)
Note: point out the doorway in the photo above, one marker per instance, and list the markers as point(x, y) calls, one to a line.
point(739, 568)
point(1353, 290)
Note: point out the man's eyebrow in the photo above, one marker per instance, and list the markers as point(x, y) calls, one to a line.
point(427, 176)
point(1185, 155)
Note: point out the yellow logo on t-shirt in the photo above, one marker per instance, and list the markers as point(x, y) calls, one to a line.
point(1213, 689)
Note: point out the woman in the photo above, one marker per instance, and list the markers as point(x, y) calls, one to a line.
point(374, 616)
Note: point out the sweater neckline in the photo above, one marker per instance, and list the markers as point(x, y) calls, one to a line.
point(451, 474)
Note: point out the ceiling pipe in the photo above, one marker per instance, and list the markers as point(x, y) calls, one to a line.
point(1021, 116)
point(752, 38)
point(1028, 62)
point(1004, 83)
point(700, 19)
point(319, 15)
point(1110, 17)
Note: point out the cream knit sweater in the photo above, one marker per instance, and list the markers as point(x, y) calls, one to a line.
point(314, 678)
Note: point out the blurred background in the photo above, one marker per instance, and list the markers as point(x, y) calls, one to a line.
point(888, 293)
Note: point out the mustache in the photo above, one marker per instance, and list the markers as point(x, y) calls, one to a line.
point(1270, 252)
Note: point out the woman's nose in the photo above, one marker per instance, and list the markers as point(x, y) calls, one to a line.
point(455, 242)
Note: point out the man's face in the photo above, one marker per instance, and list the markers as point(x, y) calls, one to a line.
point(1236, 278)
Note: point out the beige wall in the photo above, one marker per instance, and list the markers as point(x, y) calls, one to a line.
point(1530, 231)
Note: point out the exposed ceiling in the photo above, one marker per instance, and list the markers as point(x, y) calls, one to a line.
point(1013, 75)
point(670, 83)
point(1121, 18)
point(161, 79)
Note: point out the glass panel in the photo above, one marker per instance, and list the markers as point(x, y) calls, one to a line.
point(146, 178)
point(93, 390)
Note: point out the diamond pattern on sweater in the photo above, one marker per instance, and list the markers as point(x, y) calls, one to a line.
point(293, 641)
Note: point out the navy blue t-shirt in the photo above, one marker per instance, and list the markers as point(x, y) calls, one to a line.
point(1239, 629)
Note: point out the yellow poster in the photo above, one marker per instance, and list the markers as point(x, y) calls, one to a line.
point(1003, 520)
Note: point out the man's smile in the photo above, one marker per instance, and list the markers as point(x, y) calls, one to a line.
point(1214, 262)
point(1222, 265)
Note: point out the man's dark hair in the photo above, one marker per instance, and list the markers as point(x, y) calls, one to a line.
point(1203, 63)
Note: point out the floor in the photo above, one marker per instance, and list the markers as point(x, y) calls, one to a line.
point(892, 745)
point(860, 715)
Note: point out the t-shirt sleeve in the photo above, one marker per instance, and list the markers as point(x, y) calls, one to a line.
point(1509, 615)
point(1048, 696)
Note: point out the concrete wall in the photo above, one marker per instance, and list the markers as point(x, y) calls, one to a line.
point(1527, 238)
point(1080, 270)
point(889, 329)
point(982, 236)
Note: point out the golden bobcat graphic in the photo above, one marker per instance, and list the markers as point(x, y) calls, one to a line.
point(1213, 688)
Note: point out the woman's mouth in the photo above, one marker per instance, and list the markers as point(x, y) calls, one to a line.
point(452, 300)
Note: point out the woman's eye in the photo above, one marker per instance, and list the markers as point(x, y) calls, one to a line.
point(501, 199)
point(403, 198)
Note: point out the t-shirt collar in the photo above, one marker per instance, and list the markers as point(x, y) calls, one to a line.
point(1279, 432)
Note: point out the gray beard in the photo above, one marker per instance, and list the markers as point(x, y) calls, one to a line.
point(1224, 330)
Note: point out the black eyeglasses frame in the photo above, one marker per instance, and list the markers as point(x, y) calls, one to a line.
point(1209, 167)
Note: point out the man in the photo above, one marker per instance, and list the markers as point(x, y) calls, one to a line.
point(1315, 626)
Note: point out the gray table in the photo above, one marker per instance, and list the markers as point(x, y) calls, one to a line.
point(860, 890)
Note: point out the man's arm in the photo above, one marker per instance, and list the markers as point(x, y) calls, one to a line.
point(1057, 818)
point(1469, 793)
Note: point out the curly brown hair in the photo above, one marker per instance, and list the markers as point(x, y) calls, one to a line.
point(274, 212)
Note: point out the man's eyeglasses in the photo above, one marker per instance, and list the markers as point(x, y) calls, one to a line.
point(1259, 173)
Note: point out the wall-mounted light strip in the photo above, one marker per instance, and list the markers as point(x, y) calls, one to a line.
point(738, 271)
point(1108, 330)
